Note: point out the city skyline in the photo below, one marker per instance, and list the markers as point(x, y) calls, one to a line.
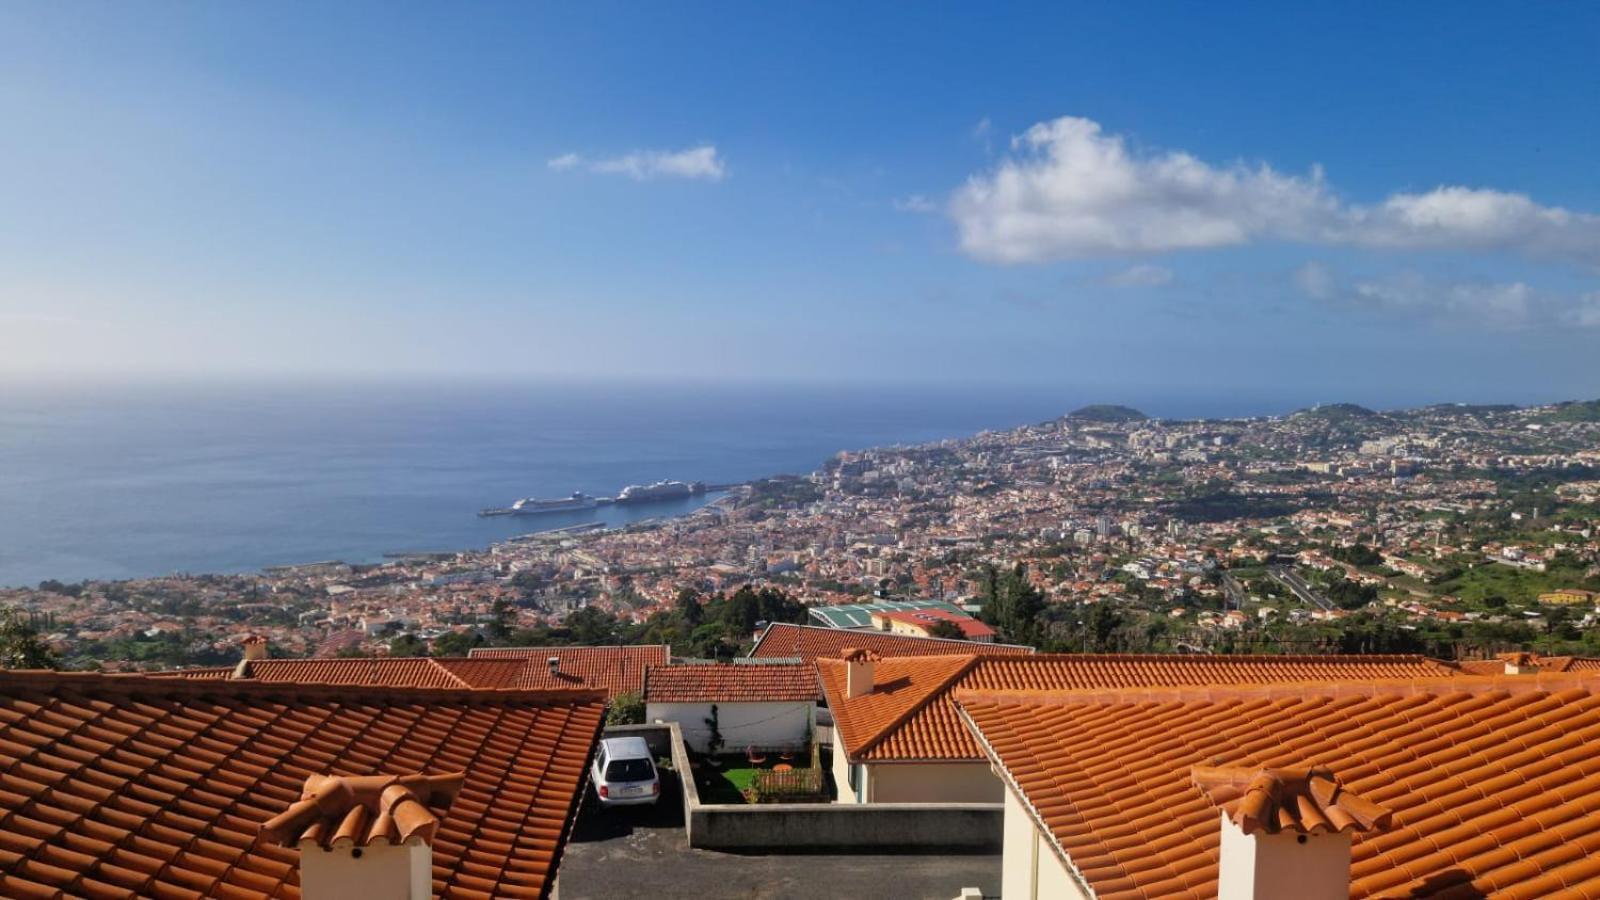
point(1329, 201)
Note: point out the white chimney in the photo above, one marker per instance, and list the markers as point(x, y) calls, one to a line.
point(368, 836)
point(1520, 663)
point(860, 666)
point(554, 663)
point(1286, 832)
point(255, 647)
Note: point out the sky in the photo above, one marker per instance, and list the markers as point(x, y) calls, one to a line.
point(1350, 200)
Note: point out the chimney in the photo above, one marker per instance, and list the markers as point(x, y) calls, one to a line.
point(1286, 832)
point(554, 663)
point(859, 668)
point(366, 836)
point(1520, 663)
point(255, 647)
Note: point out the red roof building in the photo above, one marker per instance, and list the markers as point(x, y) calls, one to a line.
point(616, 669)
point(732, 683)
point(133, 786)
point(898, 737)
point(1439, 787)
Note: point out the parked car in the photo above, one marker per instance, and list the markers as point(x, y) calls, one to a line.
point(624, 773)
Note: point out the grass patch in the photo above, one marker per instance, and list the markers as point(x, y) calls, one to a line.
point(728, 783)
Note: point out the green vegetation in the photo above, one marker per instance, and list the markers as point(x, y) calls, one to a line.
point(1576, 411)
point(626, 709)
point(1106, 412)
point(1338, 413)
point(20, 647)
point(1487, 580)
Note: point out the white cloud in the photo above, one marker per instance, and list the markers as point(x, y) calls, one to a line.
point(916, 203)
point(1068, 190)
point(1483, 304)
point(700, 163)
point(1141, 276)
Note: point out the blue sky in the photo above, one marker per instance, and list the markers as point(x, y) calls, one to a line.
point(1365, 201)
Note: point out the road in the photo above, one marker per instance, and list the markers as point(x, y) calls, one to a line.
point(1302, 589)
point(1233, 590)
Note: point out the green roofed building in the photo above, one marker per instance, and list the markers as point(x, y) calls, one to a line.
point(859, 615)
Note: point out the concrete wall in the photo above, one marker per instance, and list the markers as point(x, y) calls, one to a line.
point(802, 826)
point(1030, 868)
point(658, 737)
point(778, 826)
point(741, 724)
point(931, 782)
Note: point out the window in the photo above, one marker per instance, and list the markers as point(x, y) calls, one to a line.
point(630, 770)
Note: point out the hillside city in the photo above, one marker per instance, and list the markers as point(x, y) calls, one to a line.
point(1455, 531)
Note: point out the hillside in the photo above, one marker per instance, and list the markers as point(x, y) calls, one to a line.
point(1576, 411)
point(1104, 412)
point(1338, 414)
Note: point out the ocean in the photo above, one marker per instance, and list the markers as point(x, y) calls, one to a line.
point(105, 481)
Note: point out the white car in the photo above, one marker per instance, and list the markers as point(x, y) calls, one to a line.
point(624, 773)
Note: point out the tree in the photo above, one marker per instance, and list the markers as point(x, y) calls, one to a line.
point(714, 740)
point(689, 609)
point(592, 626)
point(626, 709)
point(408, 644)
point(944, 628)
point(20, 647)
point(456, 643)
point(505, 618)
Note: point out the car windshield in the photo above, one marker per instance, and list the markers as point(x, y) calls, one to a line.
point(629, 770)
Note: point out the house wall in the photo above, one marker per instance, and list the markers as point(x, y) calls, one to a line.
point(929, 782)
point(741, 724)
point(1030, 868)
point(841, 778)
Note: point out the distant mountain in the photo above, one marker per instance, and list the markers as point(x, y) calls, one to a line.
point(1104, 412)
point(1338, 414)
point(1575, 411)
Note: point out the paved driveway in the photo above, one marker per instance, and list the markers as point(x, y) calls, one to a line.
point(643, 852)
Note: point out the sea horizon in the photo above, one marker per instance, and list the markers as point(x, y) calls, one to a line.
point(147, 477)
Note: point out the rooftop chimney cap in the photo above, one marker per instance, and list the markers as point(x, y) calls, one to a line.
point(255, 647)
point(363, 810)
point(859, 654)
point(1305, 801)
point(554, 663)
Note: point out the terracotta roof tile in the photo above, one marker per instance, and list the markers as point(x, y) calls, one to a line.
point(118, 785)
point(1491, 782)
point(810, 642)
point(1305, 801)
point(732, 683)
point(615, 669)
point(358, 811)
point(910, 715)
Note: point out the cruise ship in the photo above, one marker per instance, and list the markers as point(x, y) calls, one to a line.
point(661, 490)
point(532, 506)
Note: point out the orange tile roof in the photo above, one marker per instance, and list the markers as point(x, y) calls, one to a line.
point(1492, 783)
point(616, 669)
point(459, 672)
point(1497, 666)
point(361, 810)
point(1303, 801)
point(910, 715)
point(810, 642)
point(127, 785)
point(732, 683)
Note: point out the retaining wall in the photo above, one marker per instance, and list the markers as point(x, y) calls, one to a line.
point(808, 826)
